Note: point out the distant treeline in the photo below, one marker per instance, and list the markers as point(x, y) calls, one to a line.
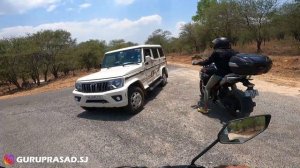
point(48, 52)
point(242, 21)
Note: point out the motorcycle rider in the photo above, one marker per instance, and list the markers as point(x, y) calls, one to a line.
point(220, 56)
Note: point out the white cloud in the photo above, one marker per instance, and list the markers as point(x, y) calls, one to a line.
point(124, 2)
point(51, 8)
point(104, 29)
point(178, 27)
point(21, 6)
point(84, 5)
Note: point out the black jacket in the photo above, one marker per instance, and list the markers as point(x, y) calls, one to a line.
point(221, 59)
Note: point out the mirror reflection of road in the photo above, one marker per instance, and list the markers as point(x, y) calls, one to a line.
point(167, 132)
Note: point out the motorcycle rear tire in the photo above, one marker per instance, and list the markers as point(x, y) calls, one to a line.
point(245, 106)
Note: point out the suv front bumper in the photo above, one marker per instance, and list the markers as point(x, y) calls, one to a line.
point(113, 98)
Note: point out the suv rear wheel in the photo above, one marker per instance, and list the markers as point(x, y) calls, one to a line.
point(135, 99)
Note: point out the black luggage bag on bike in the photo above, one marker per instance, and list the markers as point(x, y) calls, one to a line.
point(250, 64)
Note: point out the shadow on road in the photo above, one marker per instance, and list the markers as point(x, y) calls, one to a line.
point(116, 114)
point(217, 112)
point(106, 114)
point(151, 95)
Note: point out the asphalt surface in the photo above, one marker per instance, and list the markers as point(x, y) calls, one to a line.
point(167, 132)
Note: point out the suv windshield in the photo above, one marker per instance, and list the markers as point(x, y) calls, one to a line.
point(121, 58)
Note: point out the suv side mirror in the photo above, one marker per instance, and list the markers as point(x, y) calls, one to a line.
point(100, 65)
point(147, 59)
point(241, 130)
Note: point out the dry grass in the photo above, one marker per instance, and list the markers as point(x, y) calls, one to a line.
point(284, 47)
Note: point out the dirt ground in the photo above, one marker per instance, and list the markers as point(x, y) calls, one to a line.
point(285, 70)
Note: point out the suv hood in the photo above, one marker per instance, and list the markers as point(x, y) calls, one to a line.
point(113, 72)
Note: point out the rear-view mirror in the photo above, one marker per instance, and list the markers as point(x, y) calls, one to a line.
point(241, 130)
point(148, 58)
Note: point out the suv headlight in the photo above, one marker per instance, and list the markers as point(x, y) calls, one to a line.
point(115, 83)
point(78, 86)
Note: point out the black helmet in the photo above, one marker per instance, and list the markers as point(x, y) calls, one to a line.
point(221, 43)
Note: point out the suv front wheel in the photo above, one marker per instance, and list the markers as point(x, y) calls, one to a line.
point(164, 77)
point(135, 100)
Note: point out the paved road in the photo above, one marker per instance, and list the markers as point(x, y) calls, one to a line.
point(167, 132)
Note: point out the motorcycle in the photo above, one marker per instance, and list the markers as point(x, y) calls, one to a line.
point(237, 102)
point(236, 131)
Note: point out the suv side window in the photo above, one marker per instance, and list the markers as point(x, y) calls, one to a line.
point(155, 53)
point(161, 53)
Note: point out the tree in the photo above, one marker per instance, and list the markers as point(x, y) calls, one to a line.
point(223, 21)
point(256, 16)
point(289, 15)
point(3, 61)
point(213, 19)
point(90, 53)
point(13, 64)
point(33, 59)
point(119, 43)
point(69, 60)
point(41, 46)
point(202, 6)
point(61, 41)
point(177, 45)
point(196, 36)
point(161, 37)
point(51, 45)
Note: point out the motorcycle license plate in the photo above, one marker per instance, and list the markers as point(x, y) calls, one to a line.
point(251, 93)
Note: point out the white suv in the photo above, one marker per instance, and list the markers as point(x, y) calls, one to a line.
point(125, 76)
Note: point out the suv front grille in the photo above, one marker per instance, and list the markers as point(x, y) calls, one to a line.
point(95, 87)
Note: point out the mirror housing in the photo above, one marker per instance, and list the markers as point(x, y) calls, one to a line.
point(100, 65)
point(148, 58)
point(238, 131)
point(242, 130)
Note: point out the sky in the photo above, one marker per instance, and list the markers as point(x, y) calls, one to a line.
point(132, 20)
